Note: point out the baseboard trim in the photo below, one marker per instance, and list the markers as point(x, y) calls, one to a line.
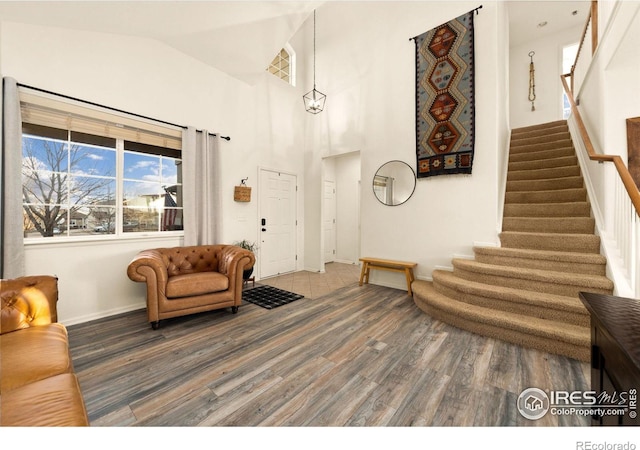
point(346, 261)
point(102, 315)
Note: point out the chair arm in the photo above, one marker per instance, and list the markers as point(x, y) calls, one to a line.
point(138, 269)
point(232, 258)
point(28, 301)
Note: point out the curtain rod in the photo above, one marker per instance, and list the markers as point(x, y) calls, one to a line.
point(227, 138)
point(473, 10)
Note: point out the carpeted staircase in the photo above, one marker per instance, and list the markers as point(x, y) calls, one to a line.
point(526, 291)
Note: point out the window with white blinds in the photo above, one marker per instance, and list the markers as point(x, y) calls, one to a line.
point(41, 110)
point(88, 172)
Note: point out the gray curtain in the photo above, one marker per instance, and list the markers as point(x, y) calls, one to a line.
point(201, 187)
point(11, 226)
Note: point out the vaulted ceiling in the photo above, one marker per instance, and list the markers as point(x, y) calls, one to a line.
point(237, 37)
point(241, 37)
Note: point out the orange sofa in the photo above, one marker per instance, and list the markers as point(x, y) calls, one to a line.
point(189, 280)
point(38, 386)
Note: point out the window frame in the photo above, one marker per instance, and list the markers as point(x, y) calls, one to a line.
point(567, 58)
point(118, 233)
point(292, 65)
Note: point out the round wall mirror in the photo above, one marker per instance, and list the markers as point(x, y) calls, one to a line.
point(394, 183)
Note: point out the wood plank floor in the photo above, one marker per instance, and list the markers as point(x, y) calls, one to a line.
point(361, 356)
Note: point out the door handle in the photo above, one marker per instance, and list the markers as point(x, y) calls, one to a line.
point(264, 229)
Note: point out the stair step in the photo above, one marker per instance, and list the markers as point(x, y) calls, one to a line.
point(520, 140)
point(545, 154)
point(573, 341)
point(570, 209)
point(528, 148)
point(558, 283)
point(526, 291)
point(545, 184)
point(580, 243)
point(557, 196)
point(527, 303)
point(558, 128)
point(540, 126)
point(570, 262)
point(563, 161)
point(549, 224)
point(544, 174)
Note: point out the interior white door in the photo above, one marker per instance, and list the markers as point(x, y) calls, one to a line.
point(329, 221)
point(277, 223)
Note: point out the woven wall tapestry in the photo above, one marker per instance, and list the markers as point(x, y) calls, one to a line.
point(445, 112)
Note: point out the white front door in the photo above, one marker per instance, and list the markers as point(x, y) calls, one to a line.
point(329, 221)
point(277, 223)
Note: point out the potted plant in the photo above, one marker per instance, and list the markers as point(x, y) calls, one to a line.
point(252, 247)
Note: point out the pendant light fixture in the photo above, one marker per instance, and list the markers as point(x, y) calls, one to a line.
point(314, 99)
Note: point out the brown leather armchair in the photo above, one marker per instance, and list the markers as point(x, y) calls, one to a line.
point(188, 280)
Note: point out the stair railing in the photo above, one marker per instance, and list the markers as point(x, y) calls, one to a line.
point(590, 24)
point(625, 228)
point(622, 240)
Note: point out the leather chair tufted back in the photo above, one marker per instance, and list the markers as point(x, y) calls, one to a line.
point(188, 280)
point(185, 260)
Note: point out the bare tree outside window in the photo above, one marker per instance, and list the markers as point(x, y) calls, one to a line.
point(78, 184)
point(66, 186)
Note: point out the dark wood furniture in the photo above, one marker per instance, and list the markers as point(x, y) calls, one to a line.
point(633, 148)
point(615, 352)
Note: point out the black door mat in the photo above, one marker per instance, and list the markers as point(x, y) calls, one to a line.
point(269, 297)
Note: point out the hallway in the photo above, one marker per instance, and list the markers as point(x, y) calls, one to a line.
point(315, 284)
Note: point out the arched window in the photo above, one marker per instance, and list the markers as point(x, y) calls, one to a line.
point(283, 65)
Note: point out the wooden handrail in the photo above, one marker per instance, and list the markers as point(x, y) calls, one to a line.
point(582, 38)
point(594, 25)
point(625, 175)
point(592, 17)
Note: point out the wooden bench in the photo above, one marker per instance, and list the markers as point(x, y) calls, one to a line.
point(387, 264)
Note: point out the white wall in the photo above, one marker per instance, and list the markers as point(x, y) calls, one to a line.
point(503, 131)
point(548, 86)
point(608, 96)
point(148, 78)
point(92, 279)
point(368, 73)
point(1, 144)
point(619, 55)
